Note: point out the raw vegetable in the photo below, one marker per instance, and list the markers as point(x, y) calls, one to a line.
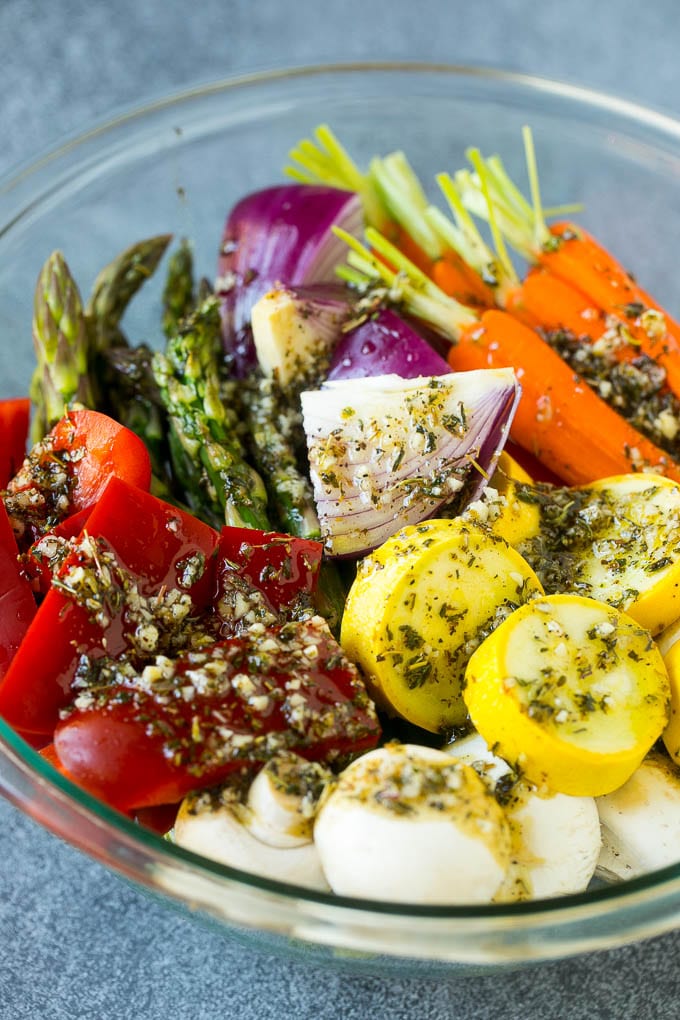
point(283, 798)
point(17, 605)
point(61, 380)
point(47, 554)
point(394, 203)
point(295, 330)
point(69, 469)
point(119, 586)
point(507, 508)
point(641, 821)
point(570, 253)
point(385, 344)
point(671, 657)
point(149, 737)
point(419, 607)
point(571, 692)
point(284, 569)
point(116, 285)
point(183, 657)
point(385, 452)
point(135, 401)
point(555, 838)
point(207, 454)
point(554, 404)
point(14, 415)
point(278, 236)
point(412, 825)
point(273, 427)
point(616, 540)
point(178, 292)
point(213, 825)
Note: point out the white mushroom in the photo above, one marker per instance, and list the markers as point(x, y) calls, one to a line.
point(641, 821)
point(212, 827)
point(411, 824)
point(555, 837)
point(282, 800)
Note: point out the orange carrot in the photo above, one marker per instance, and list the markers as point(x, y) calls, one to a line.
point(405, 243)
point(560, 420)
point(547, 301)
point(453, 275)
point(582, 262)
point(449, 272)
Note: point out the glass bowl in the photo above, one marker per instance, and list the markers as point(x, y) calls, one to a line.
point(177, 164)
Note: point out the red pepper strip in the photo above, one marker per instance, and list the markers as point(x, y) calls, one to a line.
point(68, 470)
point(135, 744)
point(17, 605)
point(14, 415)
point(154, 542)
point(280, 566)
point(158, 819)
point(108, 450)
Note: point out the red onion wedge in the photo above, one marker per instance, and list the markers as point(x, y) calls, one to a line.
point(278, 236)
point(385, 344)
point(296, 328)
point(385, 452)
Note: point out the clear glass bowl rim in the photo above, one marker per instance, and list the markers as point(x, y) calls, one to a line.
point(655, 896)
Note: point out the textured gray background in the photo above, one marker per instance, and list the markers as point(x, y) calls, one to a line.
point(75, 941)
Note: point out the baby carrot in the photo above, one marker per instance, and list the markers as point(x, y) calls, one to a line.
point(573, 255)
point(560, 420)
point(545, 301)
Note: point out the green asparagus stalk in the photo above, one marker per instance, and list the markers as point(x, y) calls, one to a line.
point(205, 449)
point(61, 380)
point(272, 422)
point(273, 451)
point(116, 285)
point(135, 400)
point(178, 293)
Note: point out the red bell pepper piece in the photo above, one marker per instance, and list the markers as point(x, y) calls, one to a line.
point(158, 545)
point(284, 569)
point(17, 605)
point(150, 740)
point(69, 469)
point(159, 819)
point(108, 450)
point(14, 415)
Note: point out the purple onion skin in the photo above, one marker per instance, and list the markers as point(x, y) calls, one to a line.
point(385, 344)
point(280, 235)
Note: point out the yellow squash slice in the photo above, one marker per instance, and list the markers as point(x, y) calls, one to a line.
point(500, 508)
point(418, 608)
point(571, 692)
point(616, 540)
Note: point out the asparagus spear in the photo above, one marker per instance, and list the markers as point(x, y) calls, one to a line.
point(61, 378)
point(206, 452)
point(272, 419)
point(178, 293)
point(273, 451)
point(135, 399)
point(116, 285)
